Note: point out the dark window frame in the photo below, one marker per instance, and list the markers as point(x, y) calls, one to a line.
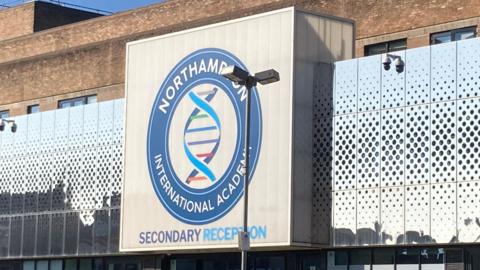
point(29, 108)
point(387, 46)
point(5, 112)
point(71, 101)
point(452, 32)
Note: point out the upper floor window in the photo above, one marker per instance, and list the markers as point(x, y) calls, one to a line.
point(33, 109)
point(453, 35)
point(4, 114)
point(385, 47)
point(78, 101)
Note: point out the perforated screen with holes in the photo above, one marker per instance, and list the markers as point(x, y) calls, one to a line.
point(406, 153)
point(60, 179)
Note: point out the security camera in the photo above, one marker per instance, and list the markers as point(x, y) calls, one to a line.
point(399, 65)
point(14, 127)
point(2, 124)
point(386, 62)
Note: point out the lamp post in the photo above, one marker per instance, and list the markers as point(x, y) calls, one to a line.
point(242, 77)
point(11, 123)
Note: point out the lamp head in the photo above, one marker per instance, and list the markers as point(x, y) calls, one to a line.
point(267, 76)
point(235, 74)
point(399, 65)
point(13, 127)
point(2, 124)
point(386, 62)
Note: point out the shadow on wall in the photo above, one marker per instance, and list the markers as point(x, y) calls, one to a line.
point(376, 236)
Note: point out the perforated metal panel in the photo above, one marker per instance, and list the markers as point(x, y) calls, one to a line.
point(468, 219)
point(66, 164)
point(417, 145)
point(392, 215)
point(443, 142)
point(345, 95)
point(344, 217)
point(368, 216)
point(393, 147)
point(369, 83)
point(368, 157)
point(417, 214)
point(345, 147)
point(444, 210)
point(418, 76)
point(444, 72)
point(468, 144)
point(468, 74)
point(393, 86)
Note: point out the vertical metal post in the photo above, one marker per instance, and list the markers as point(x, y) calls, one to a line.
point(248, 86)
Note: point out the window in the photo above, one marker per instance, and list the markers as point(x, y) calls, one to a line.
point(453, 35)
point(4, 114)
point(384, 47)
point(408, 256)
point(33, 109)
point(78, 101)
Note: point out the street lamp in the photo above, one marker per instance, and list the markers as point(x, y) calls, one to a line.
point(11, 123)
point(242, 77)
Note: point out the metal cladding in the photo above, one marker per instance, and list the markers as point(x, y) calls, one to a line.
point(406, 148)
point(60, 177)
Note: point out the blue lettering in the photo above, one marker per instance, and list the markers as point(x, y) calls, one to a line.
point(154, 237)
point(221, 236)
point(142, 238)
point(214, 234)
point(147, 237)
point(168, 236)
point(206, 234)
point(262, 232)
point(161, 237)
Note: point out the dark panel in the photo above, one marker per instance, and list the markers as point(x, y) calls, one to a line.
point(43, 234)
point(44, 201)
point(31, 202)
point(29, 223)
point(17, 203)
point(114, 230)
point(58, 196)
point(16, 236)
point(4, 203)
point(101, 232)
point(56, 234)
point(85, 241)
point(4, 231)
point(71, 233)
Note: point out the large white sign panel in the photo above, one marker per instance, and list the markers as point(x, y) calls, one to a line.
point(184, 137)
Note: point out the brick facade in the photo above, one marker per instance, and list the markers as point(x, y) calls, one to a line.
point(89, 56)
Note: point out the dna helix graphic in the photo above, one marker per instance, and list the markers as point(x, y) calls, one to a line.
point(202, 135)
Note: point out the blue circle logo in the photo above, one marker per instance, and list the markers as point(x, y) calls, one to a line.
point(195, 140)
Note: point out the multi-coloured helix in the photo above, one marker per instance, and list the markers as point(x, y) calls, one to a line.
point(202, 136)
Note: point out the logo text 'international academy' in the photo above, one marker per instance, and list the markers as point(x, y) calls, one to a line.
point(195, 143)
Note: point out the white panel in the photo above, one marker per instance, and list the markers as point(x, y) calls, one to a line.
point(47, 140)
point(468, 208)
point(33, 133)
point(383, 267)
point(417, 145)
point(443, 142)
point(345, 92)
point(408, 267)
point(61, 129)
point(418, 76)
point(345, 152)
point(368, 216)
point(468, 144)
point(468, 70)
point(368, 150)
point(75, 128)
point(21, 136)
point(90, 126)
point(344, 216)
point(393, 86)
point(393, 147)
point(392, 215)
point(369, 83)
point(444, 210)
point(105, 122)
point(417, 214)
point(444, 71)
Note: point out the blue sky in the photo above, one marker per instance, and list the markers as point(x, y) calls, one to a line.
point(107, 5)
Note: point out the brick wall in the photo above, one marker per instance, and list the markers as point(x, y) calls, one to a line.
point(90, 55)
point(15, 22)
